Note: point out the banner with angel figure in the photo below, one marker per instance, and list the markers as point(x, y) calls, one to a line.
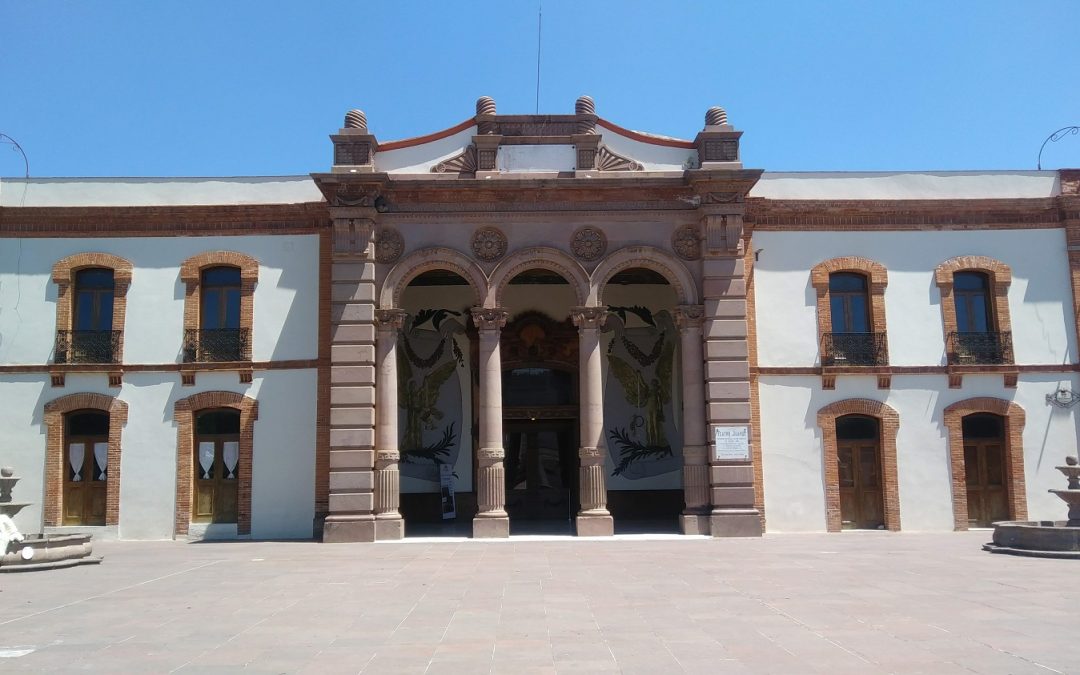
point(431, 369)
point(641, 423)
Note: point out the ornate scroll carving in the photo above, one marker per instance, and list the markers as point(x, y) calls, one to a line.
point(489, 244)
point(606, 160)
point(588, 243)
point(489, 318)
point(491, 453)
point(350, 194)
point(689, 316)
point(463, 162)
point(390, 318)
point(686, 243)
point(588, 317)
point(389, 245)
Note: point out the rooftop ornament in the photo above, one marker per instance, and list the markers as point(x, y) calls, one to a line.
point(355, 119)
point(715, 116)
point(1054, 138)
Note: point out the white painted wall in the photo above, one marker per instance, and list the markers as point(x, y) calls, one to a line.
point(285, 299)
point(1040, 298)
point(283, 477)
point(792, 448)
point(420, 158)
point(652, 157)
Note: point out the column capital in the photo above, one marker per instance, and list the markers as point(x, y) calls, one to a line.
point(390, 319)
point(689, 316)
point(487, 319)
point(589, 317)
point(353, 235)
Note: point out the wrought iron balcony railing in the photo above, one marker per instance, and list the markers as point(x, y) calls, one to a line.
point(87, 346)
point(854, 349)
point(224, 344)
point(979, 348)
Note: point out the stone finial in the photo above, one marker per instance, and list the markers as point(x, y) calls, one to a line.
point(485, 105)
point(355, 119)
point(1071, 461)
point(715, 116)
point(584, 106)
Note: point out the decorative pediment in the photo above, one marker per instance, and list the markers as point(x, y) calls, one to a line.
point(463, 162)
point(606, 160)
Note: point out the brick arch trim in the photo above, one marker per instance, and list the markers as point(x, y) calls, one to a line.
point(55, 410)
point(889, 422)
point(1000, 279)
point(184, 412)
point(877, 277)
point(1014, 418)
point(191, 274)
point(63, 275)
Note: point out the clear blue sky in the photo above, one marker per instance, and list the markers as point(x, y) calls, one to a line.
point(154, 88)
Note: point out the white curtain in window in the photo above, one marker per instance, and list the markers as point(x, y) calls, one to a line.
point(76, 455)
point(206, 457)
point(231, 455)
point(101, 454)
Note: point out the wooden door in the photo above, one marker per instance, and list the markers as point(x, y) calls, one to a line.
point(861, 501)
point(541, 470)
point(217, 468)
point(85, 480)
point(987, 494)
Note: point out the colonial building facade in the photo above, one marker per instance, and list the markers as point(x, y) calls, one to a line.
point(538, 318)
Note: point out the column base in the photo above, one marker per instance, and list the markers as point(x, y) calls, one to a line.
point(594, 526)
point(497, 527)
point(735, 523)
point(694, 524)
point(346, 529)
point(389, 529)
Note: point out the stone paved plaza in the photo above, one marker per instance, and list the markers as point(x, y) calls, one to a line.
point(841, 603)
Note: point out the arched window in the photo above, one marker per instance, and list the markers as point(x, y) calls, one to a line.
point(849, 302)
point(91, 302)
point(976, 316)
point(218, 311)
point(851, 314)
point(971, 293)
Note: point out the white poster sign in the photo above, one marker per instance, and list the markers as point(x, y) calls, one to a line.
point(732, 444)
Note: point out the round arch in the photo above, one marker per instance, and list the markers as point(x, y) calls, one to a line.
point(889, 423)
point(538, 257)
point(651, 258)
point(1014, 418)
point(426, 260)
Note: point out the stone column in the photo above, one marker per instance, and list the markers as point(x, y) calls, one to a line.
point(388, 521)
point(594, 518)
point(352, 378)
point(491, 519)
point(695, 517)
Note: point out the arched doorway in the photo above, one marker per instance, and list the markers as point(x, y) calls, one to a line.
point(985, 469)
point(858, 457)
point(86, 446)
point(217, 466)
point(436, 391)
point(540, 386)
point(643, 402)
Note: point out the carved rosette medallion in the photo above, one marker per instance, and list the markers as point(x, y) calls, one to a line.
point(489, 244)
point(686, 243)
point(588, 243)
point(389, 245)
point(588, 317)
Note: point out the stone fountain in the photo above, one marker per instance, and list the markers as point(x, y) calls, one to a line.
point(19, 552)
point(1045, 538)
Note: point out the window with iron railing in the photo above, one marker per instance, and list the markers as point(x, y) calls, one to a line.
point(852, 341)
point(977, 339)
point(91, 338)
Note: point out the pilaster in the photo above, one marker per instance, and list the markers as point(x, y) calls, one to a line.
point(388, 521)
point(695, 515)
point(351, 515)
point(594, 519)
point(491, 519)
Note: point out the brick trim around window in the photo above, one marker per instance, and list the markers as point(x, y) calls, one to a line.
point(184, 411)
point(889, 423)
point(63, 275)
point(877, 278)
point(1015, 482)
point(191, 275)
point(54, 413)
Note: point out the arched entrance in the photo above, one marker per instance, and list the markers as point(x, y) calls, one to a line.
point(984, 469)
point(86, 445)
point(858, 458)
point(540, 411)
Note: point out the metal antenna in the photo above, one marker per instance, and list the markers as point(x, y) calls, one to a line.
point(539, 29)
point(4, 138)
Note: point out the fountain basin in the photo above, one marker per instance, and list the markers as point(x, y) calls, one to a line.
point(51, 551)
point(1036, 538)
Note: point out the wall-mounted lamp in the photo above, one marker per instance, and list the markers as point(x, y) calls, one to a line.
point(1063, 398)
